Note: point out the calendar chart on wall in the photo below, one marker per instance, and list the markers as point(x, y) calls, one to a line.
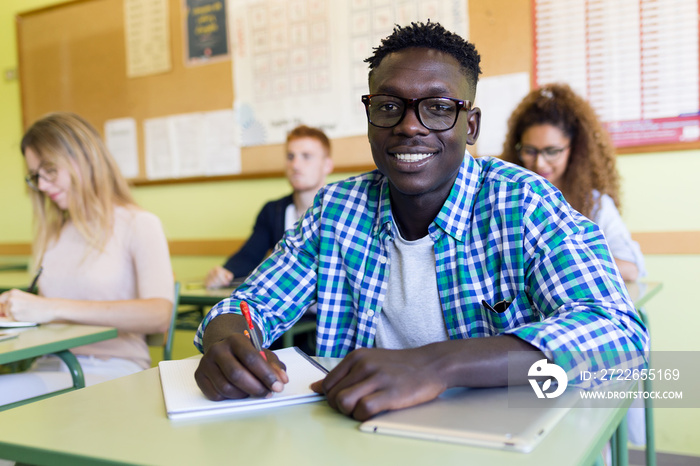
point(302, 61)
point(636, 61)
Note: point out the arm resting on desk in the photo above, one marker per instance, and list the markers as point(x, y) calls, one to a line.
point(135, 315)
point(370, 380)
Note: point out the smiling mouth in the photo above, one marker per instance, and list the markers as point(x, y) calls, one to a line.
point(412, 157)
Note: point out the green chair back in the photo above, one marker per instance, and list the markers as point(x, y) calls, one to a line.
point(166, 339)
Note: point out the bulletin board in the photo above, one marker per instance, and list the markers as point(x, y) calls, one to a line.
point(72, 58)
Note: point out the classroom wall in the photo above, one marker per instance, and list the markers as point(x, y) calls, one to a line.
point(660, 195)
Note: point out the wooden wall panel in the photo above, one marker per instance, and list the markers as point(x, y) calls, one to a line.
point(652, 243)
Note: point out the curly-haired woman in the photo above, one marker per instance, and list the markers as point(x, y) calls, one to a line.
point(556, 134)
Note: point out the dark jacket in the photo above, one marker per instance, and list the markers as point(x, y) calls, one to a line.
point(268, 230)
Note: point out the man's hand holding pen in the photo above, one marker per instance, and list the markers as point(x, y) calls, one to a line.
point(232, 367)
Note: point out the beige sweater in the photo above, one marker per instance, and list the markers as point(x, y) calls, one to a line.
point(135, 264)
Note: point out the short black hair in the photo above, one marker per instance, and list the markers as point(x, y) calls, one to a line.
point(433, 36)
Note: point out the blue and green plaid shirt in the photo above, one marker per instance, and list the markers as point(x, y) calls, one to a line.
point(502, 234)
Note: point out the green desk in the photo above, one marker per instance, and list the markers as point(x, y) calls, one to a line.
point(123, 421)
point(200, 300)
point(197, 295)
point(194, 294)
point(52, 339)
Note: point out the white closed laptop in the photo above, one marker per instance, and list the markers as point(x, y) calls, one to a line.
point(480, 417)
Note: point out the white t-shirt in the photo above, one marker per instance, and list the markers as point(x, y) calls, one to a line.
point(411, 314)
point(135, 264)
point(290, 217)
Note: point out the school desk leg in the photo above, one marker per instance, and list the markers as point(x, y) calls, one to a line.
point(620, 456)
point(76, 371)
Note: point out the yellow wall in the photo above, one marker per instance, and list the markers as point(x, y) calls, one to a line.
point(661, 193)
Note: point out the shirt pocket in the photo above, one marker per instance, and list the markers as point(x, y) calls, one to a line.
point(508, 316)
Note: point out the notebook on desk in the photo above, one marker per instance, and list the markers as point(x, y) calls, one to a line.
point(478, 417)
point(6, 322)
point(184, 400)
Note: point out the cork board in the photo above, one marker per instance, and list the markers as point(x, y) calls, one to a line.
point(72, 57)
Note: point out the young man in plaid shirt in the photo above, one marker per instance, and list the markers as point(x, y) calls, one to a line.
point(429, 270)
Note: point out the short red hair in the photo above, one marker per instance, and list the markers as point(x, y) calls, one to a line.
point(304, 131)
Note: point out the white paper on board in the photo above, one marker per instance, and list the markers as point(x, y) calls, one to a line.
point(120, 138)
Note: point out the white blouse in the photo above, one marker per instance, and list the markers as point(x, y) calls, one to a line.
point(621, 244)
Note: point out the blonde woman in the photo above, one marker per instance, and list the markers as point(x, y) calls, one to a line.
point(556, 134)
point(105, 261)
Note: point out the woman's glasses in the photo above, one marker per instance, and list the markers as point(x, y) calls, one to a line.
point(549, 154)
point(45, 173)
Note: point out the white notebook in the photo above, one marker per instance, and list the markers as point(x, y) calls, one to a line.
point(184, 399)
point(6, 322)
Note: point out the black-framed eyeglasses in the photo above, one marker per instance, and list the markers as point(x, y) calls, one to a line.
point(435, 113)
point(528, 153)
point(45, 173)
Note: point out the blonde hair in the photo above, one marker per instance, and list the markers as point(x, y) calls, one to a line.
point(68, 142)
point(592, 160)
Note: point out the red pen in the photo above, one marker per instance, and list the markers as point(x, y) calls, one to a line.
point(253, 334)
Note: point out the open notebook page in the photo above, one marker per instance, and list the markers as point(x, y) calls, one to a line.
point(184, 399)
point(6, 322)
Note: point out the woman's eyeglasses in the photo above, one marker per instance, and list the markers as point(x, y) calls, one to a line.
point(529, 153)
point(47, 174)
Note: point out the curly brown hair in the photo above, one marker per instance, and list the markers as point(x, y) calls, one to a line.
point(591, 163)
